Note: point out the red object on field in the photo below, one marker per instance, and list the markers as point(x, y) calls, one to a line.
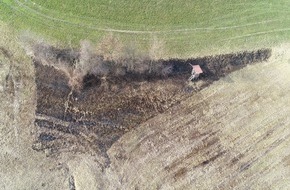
point(197, 69)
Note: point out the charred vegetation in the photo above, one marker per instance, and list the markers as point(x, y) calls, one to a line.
point(114, 97)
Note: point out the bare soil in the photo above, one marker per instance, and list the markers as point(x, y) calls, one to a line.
point(92, 119)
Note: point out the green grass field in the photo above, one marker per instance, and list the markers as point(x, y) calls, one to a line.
point(186, 27)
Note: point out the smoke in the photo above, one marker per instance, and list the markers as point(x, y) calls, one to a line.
point(114, 60)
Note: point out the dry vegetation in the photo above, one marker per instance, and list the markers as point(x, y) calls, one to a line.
point(88, 98)
point(232, 135)
point(20, 167)
point(109, 58)
point(81, 118)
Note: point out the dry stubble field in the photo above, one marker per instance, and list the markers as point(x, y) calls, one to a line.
point(233, 134)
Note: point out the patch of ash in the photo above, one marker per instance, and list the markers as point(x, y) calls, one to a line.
point(93, 117)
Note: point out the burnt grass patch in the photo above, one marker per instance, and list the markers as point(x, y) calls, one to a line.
point(92, 119)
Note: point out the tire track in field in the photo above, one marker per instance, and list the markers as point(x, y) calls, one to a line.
point(244, 13)
point(257, 34)
point(185, 30)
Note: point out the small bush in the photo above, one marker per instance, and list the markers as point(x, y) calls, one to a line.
point(166, 70)
point(110, 47)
